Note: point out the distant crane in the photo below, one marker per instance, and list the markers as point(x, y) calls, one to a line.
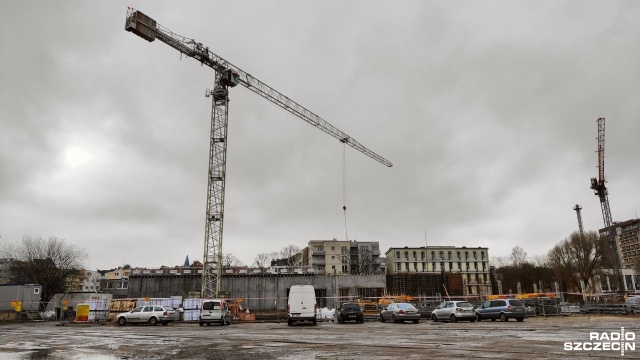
point(227, 76)
point(577, 208)
point(600, 189)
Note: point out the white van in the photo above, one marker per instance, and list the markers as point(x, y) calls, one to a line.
point(214, 311)
point(302, 304)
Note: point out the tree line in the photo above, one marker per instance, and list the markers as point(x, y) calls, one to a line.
point(573, 263)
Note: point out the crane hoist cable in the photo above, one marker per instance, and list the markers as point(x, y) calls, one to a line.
point(344, 187)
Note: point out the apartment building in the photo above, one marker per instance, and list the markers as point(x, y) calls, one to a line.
point(337, 257)
point(471, 263)
point(628, 247)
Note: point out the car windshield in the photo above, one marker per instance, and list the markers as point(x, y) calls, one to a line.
point(351, 306)
point(464, 304)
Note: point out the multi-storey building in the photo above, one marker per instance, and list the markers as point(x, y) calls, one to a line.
point(335, 257)
point(628, 247)
point(471, 263)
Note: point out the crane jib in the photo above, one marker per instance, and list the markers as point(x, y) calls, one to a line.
point(148, 29)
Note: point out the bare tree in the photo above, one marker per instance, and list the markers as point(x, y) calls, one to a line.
point(518, 256)
point(577, 258)
point(263, 260)
point(540, 260)
point(500, 261)
point(365, 263)
point(289, 254)
point(229, 260)
point(53, 264)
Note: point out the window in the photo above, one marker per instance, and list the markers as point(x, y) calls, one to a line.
point(424, 255)
point(433, 266)
point(36, 291)
point(475, 256)
point(398, 266)
point(333, 247)
point(110, 285)
point(344, 249)
point(442, 266)
point(433, 255)
point(468, 266)
point(415, 266)
point(449, 254)
point(122, 285)
point(406, 254)
point(333, 257)
point(450, 266)
point(466, 255)
point(482, 255)
point(441, 255)
point(397, 254)
point(364, 248)
point(459, 266)
point(458, 254)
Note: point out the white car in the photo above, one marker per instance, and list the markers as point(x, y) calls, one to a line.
point(454, 311)
point(147, 314)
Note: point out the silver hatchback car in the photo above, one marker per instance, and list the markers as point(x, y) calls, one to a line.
point(151, 314)
point(400, 312)
point(454, 311)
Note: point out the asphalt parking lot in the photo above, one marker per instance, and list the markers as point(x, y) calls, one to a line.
point(535, 338)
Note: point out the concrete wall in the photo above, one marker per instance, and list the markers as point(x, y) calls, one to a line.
point(259, 292)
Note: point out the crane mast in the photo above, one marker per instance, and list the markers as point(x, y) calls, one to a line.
point(600, 190)
point(227, 75)
point(577, 208)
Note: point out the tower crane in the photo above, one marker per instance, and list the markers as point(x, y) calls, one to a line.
point(600, 189)
point(227, 76)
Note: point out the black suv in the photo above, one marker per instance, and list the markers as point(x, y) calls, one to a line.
point(350, 311)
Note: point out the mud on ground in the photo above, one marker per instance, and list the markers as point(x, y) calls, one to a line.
point(535, 338)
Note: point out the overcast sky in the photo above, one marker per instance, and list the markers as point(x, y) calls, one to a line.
point(487, 110)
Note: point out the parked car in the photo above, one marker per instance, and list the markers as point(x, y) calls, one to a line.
point(454, 311)
point(214, 311)
point(350, 311)
point(151, 314)
point(400, 312)
point(503, 309)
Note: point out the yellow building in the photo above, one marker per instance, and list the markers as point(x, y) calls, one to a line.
point(472, 263)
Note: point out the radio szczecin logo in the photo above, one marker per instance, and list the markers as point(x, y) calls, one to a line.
point(605, 341)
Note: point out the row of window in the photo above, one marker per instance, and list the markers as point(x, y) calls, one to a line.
point(441, 255)
point(118, 285)
point(424, 266)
